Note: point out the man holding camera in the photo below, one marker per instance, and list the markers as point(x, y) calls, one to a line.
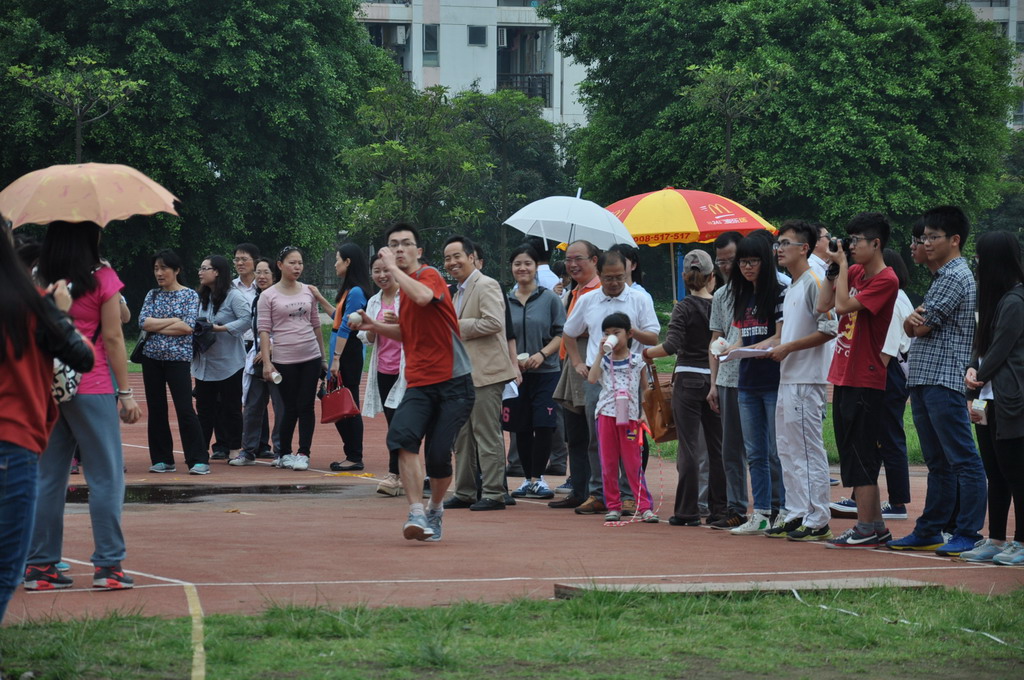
point(863, 294)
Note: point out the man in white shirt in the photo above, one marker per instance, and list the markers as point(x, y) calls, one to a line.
point(586, 319)
point(246, 255)
point(805, 357)
point(817, 258)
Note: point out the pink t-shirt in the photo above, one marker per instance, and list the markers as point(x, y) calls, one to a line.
point(293, 322)
point(389, 351)
point(87, 312)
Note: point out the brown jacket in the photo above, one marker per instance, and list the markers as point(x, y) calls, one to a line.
point(481, 315)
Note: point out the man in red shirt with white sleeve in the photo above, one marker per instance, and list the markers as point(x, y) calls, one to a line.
point(440, 391)
point(863, 294)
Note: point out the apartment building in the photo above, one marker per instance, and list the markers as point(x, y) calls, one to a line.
point(1008, 18)
point(494, 44)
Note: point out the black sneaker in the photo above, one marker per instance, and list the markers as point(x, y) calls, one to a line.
point(111, 578)
point(265, 453)
point(783, 529)
point(730, 522)
point(45, 577)
point(219, 454)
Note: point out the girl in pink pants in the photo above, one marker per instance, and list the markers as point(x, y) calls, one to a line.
point(621, 374)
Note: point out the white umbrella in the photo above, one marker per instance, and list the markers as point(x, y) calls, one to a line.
point(567, 219)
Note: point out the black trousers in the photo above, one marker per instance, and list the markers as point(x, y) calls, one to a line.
point(157, 377)
point(350, 366)
point(228, 412)
point(298, 391)
point(386, 381)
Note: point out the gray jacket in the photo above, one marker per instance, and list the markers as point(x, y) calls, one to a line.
point(1003, 365)
point(536, 323)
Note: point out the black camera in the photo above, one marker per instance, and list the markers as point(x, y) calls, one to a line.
point(835, 244)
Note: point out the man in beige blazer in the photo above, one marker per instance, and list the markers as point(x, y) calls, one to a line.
point(480, 446)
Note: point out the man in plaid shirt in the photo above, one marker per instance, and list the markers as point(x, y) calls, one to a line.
point(944, 330)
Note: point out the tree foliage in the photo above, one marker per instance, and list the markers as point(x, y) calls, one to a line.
point(459, 164)
point(891, 105)
point(88, 92)
point(247, 107)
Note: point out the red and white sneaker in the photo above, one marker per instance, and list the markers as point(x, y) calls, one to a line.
point(45, 577)
point(111, 578)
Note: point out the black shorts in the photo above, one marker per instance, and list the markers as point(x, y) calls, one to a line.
point(856, 414)
point(534, 407)
point(436, 413)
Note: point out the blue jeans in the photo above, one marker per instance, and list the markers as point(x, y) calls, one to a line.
point(944, 428)
point(757, 409)
point(18, 470)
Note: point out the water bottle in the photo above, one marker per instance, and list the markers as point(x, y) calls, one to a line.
point(622, 398)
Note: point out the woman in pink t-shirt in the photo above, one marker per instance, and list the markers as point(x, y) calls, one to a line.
point(288, 312)
point(88, 421)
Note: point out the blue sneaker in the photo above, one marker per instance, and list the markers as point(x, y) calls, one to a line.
point(1012, 555)
point(162, 467)
point(984, 550)
point(915, 542)
point(434, 519)
point(953, 548)
point(564, 489)
point(845, 505)
point(199, 469)
point(63, 566)
point(416, 527)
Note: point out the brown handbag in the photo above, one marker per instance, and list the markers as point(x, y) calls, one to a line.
point(337, 403)
point(658, 407)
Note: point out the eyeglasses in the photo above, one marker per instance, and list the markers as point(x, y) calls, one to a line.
point(914, 242)
point(394, 245)
point(785, 244)
point(933, 237)
point(854, 240)
point(725, 263)
point(206, 269)
point(825, 235)
point(240, 260)
point(749, 264)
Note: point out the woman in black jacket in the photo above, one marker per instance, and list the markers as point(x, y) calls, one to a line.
point(998, 372)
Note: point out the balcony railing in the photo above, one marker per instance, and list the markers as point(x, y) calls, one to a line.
point(530, 84)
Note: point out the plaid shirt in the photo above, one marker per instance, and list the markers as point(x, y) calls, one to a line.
point(941, 356)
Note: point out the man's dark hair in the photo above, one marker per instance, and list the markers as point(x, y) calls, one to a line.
point(540, 246)
point(950, 220)
point(468, 246)
point(249, 249)
point(402, 226)
point(727, 239)
point(870, 225)
point(632, 254)
point(804, 230)
point(818, 227)
point(610, 257)
point(616, 320)
point(558, 269)
point(917, 230)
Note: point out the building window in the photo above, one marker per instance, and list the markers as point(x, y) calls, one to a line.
point(431, 57)
point(477, 36)
point(1002, 29)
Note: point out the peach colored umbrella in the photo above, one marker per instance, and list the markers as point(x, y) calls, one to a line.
point(90, 192)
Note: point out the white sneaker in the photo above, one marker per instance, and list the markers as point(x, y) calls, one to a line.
point(757, 524)
point(286, 461)
point(524, 489)
point(300, 462)
point(390, 485)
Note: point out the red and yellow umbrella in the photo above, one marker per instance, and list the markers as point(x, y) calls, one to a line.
point(683, 216)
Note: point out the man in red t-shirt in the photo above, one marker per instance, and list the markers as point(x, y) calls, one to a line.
point(864, 295)
point(440, 395)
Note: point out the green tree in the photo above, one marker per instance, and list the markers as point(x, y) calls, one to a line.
point(891, 105)
point(420, 162)
point(526, 167)
point(247, 107)
point(88, 92)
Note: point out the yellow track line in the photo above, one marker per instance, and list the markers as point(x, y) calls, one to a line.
point(195, 610)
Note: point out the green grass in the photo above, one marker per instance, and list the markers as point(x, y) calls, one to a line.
point(598, 636)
